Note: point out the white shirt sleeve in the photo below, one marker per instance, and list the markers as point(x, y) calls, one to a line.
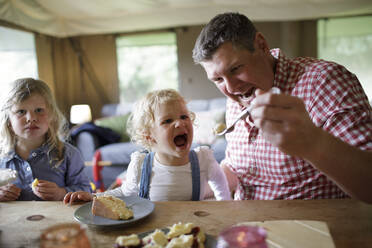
point(216, 177)
point(131, 185)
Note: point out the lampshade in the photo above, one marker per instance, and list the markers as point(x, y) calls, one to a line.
point(80, 113)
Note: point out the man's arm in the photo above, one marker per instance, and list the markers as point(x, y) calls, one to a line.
point(349, 167)
point(284, 121)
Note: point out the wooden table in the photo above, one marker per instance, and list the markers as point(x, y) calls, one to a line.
point(349, 221)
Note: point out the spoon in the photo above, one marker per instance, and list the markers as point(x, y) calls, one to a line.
point(245, 112)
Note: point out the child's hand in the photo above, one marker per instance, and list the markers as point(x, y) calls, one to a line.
point(78, 196)
point(9, 192)
point(49, 191)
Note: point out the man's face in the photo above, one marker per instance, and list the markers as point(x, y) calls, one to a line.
point(238, 72)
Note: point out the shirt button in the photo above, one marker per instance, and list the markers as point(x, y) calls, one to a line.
point(28, 169)
point(253, 139)
point(252, 170)
point(34, 154)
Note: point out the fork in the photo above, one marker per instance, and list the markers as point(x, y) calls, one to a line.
point(245, 112)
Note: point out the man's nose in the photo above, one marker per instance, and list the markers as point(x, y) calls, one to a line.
point(232, 86)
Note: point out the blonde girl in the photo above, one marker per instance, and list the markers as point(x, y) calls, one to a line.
point(171, 170)
point(33, 143)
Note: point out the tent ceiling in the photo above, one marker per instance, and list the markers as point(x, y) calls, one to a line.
point(63, 18)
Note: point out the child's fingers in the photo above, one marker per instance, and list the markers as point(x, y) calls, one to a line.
point(85, 196)
point(44, 183)
point(66, 199)
point(6, 195)
point(75, 197)
point(11, 191)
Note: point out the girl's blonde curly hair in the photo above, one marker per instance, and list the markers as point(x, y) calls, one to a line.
point(19, 91)
point(142, 117)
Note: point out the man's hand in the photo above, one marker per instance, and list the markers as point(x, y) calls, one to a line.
point(78, 196)
point(9, 192)
point(284, 121)
point(49, 191)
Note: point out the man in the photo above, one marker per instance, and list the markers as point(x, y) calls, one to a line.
point(311, 141)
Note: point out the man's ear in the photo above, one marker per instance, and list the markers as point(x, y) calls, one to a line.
point(261, 43)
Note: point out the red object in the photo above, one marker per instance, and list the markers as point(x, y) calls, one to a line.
point(118, 181)
point(97, 177)
point(243, 237)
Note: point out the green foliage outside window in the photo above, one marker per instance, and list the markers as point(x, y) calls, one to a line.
point(348, 41)
point(146, 62)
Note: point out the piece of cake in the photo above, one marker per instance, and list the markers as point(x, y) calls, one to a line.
point(179, 236)
point(127, 241)
point(219, 128)
point(111, 207)
point(187, 229)
point(156, 238)
point(34, 184)
point(183, 241)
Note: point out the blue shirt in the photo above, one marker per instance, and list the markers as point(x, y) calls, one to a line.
point(69, 174)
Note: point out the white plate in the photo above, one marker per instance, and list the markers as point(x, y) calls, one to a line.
point(141, 208)
point(210, 241)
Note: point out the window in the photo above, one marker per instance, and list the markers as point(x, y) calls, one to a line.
point(17, 56)
point(348, 41)
point(146, 62)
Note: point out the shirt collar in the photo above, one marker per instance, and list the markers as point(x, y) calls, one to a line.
point(281, 69)
point(12, 154)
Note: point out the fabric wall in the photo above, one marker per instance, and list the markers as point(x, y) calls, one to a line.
point(80, 70)
point(93, 78)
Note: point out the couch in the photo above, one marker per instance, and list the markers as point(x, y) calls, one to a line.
point(208, 112)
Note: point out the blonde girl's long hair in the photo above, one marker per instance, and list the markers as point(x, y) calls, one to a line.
point(142, 117)
point(20, 90)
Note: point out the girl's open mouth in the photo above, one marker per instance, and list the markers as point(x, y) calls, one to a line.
point(180, 140)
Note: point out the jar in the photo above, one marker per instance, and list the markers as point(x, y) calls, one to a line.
point(67, 235)
point(242, 237)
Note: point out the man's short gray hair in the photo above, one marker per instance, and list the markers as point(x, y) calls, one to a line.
point(227, 27)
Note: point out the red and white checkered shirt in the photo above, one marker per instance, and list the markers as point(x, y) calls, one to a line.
point(335, 102)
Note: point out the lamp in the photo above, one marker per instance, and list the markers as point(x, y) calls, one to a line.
point(80, 113)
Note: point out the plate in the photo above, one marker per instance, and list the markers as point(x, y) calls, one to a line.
point(141, 208)
point(210, 241)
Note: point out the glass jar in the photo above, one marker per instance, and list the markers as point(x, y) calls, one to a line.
point(67, 235)
point(242, 237)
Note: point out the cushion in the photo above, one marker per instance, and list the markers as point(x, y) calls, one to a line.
point(124, 108)
point(109, 109)
point(116, 123)
point(217, 103)
point(118, 153)
point(198, 105)
point(205, 122)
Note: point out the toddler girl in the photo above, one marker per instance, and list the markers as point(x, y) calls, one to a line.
point(162, 124)
point(33, 132)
